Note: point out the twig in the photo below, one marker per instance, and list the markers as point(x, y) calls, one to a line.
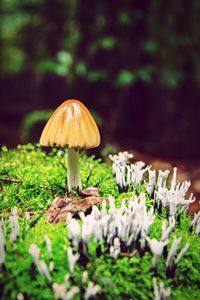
point(60, 187)
point(11, 179)
point(98, 183)
point(53, 191)
point(62, 165)
point(88, 178)
point(34, 222)
point(46, 187)
point(6, 215)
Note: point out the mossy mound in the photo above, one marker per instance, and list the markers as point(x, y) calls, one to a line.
point(41, 177)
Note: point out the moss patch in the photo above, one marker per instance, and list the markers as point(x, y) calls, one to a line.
point(124, 278)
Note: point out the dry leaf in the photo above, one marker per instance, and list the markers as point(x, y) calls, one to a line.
point(90, 191)
point(61, 206)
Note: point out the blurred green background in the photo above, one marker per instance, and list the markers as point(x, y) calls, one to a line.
point(135, 64)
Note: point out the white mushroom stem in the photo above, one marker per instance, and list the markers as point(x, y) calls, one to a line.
point(73, 178)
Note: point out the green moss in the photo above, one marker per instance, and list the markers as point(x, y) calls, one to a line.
point(124, 278)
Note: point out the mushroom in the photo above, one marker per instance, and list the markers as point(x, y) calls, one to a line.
point(72, 126)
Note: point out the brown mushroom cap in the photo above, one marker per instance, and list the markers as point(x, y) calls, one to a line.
point(71, 125)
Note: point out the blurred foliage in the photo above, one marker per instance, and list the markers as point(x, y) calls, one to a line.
point(65, 36)
point(125, 77)
point(127, 58)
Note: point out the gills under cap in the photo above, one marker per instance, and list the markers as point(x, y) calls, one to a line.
point(71, 125)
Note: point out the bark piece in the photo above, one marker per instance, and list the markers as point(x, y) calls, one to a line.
point(62, 206)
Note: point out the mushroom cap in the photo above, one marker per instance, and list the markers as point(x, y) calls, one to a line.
point(71, 125)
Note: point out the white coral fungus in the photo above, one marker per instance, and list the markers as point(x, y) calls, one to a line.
point(116, 227)
point(14, 225)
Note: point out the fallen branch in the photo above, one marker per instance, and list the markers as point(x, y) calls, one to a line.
point(11, 179)
point(46, 187)
point(23, 213)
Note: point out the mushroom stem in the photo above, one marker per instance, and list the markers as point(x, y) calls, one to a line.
point(73, 178)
